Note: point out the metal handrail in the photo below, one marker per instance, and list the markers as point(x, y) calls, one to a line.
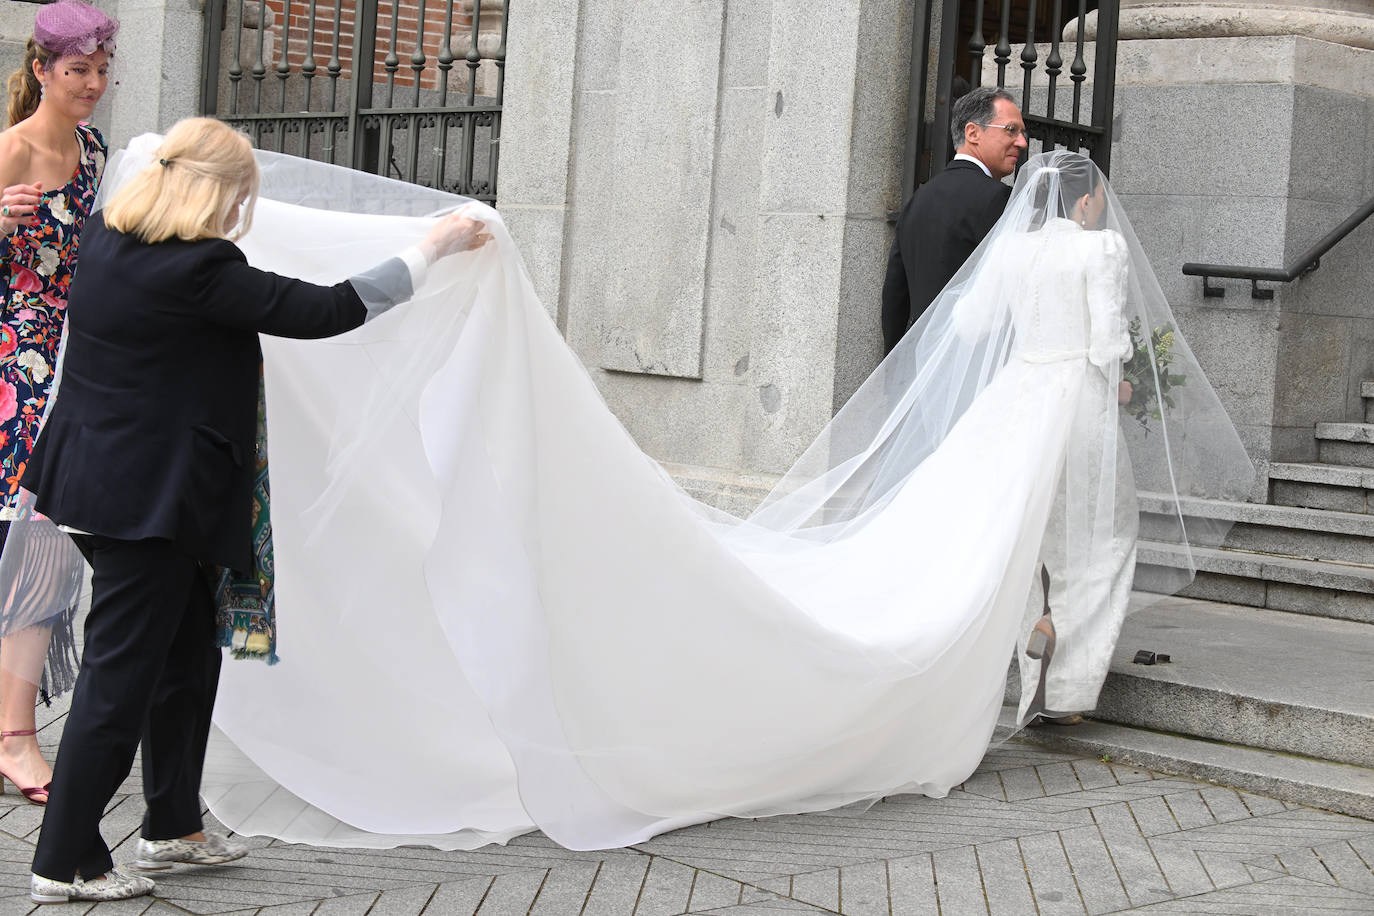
point(1305, 263)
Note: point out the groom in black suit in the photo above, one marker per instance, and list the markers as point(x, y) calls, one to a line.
point(950, 214)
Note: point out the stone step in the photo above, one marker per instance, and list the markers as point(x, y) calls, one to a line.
point(1346, 443)
point(1257, 692)
point(1317, 534)
point(1241, 675)
point(1339, 787)
point(1340, 591)
point(1322, 486)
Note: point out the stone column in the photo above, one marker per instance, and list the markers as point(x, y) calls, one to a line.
point(157, 67)
point(536, 137)
point(1246, 150)
point(1347, 22)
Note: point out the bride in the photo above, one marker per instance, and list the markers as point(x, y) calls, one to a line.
point(496, 614)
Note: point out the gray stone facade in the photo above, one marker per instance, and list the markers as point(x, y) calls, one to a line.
point(1228, 150)
point(1247, 151)
point(700, 193)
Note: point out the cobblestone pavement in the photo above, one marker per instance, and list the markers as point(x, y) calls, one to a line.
point(1033, 832)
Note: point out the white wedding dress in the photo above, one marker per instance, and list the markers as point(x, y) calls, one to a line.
point(1067, 290)
point(497, 614)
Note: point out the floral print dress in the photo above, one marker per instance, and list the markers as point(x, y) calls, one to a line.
point(38, 262)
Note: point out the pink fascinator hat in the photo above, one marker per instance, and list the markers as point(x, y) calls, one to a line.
point(71, 27)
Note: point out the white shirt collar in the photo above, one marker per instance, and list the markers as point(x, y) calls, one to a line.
point(967, 158)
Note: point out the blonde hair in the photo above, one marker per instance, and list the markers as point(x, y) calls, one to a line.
point(25, 89)
point(203, 169)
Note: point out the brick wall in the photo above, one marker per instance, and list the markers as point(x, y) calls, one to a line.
point(408, 18)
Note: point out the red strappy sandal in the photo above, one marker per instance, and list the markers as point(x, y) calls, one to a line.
point(32, 794)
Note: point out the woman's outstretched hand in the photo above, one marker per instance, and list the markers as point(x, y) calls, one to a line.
point(1124, 392)
point(454, 233)
point(17, 205)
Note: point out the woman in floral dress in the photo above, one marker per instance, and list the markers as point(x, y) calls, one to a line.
point(50, 165)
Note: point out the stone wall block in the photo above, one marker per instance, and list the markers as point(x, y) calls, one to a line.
point(859, 339)
point(1176, 229)
point(702, 424)
point(731, 270)
point(878, 133)
point(159, 38)
point(1259, 444)
point(810, 109)
point(792, 363)
point(1164, 226)
point(1236, 348)
point(536, 122)
point(1201, 141)
point(1249, 231)
point(1368, 190)
point(1343, 284)
point(1293, 443)
point(747, 30)
point(1361, 367)
point(598, 45)
point(592, 184)
point(664, 160)
point(540, 234)
point(1313, 357)
point(1330, 155)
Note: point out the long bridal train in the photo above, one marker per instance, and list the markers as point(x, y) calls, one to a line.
point(497, 614)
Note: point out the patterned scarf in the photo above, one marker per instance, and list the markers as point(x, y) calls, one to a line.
point(245, 605)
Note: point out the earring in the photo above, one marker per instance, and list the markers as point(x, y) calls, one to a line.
point(42, 90)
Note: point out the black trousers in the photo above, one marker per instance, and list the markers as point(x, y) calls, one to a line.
point(149, 670)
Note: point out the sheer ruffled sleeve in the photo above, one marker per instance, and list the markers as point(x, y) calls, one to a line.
point(1109, 340)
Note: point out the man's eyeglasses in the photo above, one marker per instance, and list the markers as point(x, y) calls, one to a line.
point(1013, 130)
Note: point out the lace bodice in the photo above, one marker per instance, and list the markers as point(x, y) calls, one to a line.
point(1062, 288)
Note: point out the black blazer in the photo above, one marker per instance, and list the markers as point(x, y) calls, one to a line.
point(937, 230)
point(154, 430)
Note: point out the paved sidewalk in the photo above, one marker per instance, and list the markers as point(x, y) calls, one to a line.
point(1033, 832)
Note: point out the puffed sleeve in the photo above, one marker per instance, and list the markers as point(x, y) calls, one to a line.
point(1109, 339)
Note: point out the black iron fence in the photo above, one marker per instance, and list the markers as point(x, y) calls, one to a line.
point(411, 89)
point(1066, 98)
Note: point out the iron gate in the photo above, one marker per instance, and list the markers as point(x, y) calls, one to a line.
point(949, 40)
point(411, 89)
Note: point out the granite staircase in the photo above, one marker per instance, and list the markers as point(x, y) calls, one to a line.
point(1271, 682)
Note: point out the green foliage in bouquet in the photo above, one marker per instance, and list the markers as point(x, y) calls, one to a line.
point(1148, 365)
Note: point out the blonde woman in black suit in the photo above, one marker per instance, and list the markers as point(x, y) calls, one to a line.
point(148, 453)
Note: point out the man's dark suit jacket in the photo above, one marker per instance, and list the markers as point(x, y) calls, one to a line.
point(937, 230)
point(154, 430)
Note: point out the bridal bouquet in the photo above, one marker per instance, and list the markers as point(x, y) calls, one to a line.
point(1147, 369)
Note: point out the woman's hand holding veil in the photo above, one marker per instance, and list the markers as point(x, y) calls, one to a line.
point(454, 233)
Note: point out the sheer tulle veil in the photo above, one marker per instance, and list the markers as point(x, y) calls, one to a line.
point(497, 614)
point(906, 408)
